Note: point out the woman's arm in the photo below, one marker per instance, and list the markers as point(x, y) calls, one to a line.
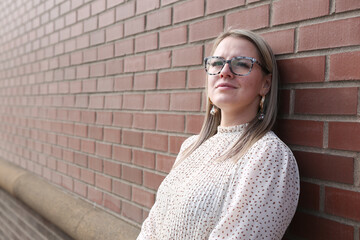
point(262, 199)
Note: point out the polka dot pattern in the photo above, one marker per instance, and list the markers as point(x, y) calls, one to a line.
point(253, 198)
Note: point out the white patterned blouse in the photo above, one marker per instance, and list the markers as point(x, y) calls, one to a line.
point(253, 198)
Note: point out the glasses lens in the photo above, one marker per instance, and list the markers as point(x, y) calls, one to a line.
point(241, 66)
point(214, 65)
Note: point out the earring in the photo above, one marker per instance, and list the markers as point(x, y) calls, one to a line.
point(213, 110)
point(262, 115)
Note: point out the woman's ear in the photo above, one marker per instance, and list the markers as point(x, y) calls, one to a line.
point(266, 85)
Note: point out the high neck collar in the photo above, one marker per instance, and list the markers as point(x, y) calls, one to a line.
point(231, 129)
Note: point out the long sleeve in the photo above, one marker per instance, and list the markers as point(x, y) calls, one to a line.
point(262, 198)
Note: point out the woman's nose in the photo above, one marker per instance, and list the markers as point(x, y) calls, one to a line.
point(226, 71)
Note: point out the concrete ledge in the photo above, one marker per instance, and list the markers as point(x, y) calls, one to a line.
point(76, 217)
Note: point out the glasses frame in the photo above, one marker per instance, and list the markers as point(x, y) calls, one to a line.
point(253, 60)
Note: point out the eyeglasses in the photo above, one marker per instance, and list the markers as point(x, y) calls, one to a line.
point(240, 66)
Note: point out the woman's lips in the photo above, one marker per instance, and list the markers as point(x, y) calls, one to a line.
point(224, 85)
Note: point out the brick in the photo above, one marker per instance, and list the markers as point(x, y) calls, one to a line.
point(87, 146)
point(280, 41)
point(172, 80)
point(122, 119)
point(97, 37)
point(104, 118)
point(284, 101)
point(331, 34)
point(252, 18)
point(95, 164)
point(299, 132)
point(159, 18)
point(125, 11)
point(144, 159)
point(76, 58)
point(132, 212)
point(88, 117)
point(314, 227)
point(145, 81)
point(164, 163)
point(107, 18)
point(194, 123)
point(121, 154)
point(333, 101)
point(131, 174)
point(300, 70)
point(80, 188)
point(309, 196)
point(124, 47)
point(113, 102)
point(196, 78)
point(342, 203)
point(121, 189)
point(74, 171)
point(144, 121)
point(114, 67)
point(97, 69)
point(175, 144)
point(143, 197)
point(103, 182)
point(173, 36)
point(157, 101)
point(295, 10)
point(112, 203)
point(170, 122)
point(156, 141)
point(133, 101)
point(114, 32)
point(152, 180)
point(201, 30)
point(158, 60)
point(90, 24)
point(213, 6)
point(95, 195)
point(166, 2)
point(83, 12)
point(326, 167)
point(89, 85)
point(134, 64)
point(189, 101)
point(344, 135)
point(105, 52)
point(146, 42)
point(187, 56)
point(135, 25)
point(132, 138)
point(96, 101)
point(112, 135)
point(90, 55)
point(347, 5)
point(82, 41)
point(145, 6)
point(87, 176)
point(97, 7)
point(113, 3)
point(112, 169)
point(105, 85)
point(95, 132)
point(341, 66)
point(188, 10)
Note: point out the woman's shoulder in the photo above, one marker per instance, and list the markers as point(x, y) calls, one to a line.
point(272, 141)
point(188, 142)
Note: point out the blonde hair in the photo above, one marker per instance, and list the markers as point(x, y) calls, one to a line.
point(256, 128)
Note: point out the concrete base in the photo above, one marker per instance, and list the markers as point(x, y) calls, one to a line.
point(76, 217)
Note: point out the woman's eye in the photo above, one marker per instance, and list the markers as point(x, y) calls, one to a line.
point(216, 63)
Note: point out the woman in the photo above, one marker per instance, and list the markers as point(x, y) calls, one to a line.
point(236, 179)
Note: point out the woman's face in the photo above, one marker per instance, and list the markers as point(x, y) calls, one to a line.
point(233, 94)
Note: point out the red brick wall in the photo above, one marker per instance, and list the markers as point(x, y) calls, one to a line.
point(97, 96)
